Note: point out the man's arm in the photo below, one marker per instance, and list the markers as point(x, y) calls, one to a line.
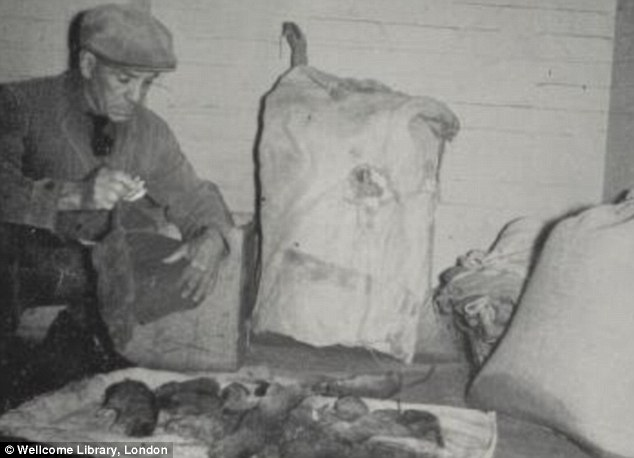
point(198, 209)
point(193, 204)
point(22, 200)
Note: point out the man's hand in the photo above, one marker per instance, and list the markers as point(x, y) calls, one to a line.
point(204, 254)
point(100, 191)
point(107, 187)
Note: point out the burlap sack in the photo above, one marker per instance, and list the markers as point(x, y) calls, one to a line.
point(566, 360)
point(348, 171)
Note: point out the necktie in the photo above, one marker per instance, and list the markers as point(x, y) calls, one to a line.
point(102, 137)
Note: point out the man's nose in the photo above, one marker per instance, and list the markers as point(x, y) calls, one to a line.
point(134, 92)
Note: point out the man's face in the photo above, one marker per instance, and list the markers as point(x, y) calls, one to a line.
point(115, 91)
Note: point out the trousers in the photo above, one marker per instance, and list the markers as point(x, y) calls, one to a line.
point(39, 268)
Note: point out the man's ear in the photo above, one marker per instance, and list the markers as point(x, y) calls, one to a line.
point(87, 64)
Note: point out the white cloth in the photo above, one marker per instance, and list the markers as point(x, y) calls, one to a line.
point(73, 415)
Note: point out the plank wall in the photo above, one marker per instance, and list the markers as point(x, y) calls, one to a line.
point(529, 79)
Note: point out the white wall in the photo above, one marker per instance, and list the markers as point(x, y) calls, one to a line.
point(529, 79)
point(34, 35)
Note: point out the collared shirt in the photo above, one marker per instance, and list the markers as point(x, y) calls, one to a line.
point(45, 140)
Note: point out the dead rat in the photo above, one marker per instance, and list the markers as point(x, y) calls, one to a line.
point(135, 406)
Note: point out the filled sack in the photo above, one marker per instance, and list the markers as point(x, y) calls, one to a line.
point(348, 173)
point(566, 360)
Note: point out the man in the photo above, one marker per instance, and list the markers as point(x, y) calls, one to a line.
point(82, 165)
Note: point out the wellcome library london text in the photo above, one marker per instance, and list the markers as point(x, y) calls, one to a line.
point(95, 450)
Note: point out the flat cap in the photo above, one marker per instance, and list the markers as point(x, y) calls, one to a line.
point(128, 37)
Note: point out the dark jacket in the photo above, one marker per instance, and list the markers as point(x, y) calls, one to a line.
point(45, 139)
